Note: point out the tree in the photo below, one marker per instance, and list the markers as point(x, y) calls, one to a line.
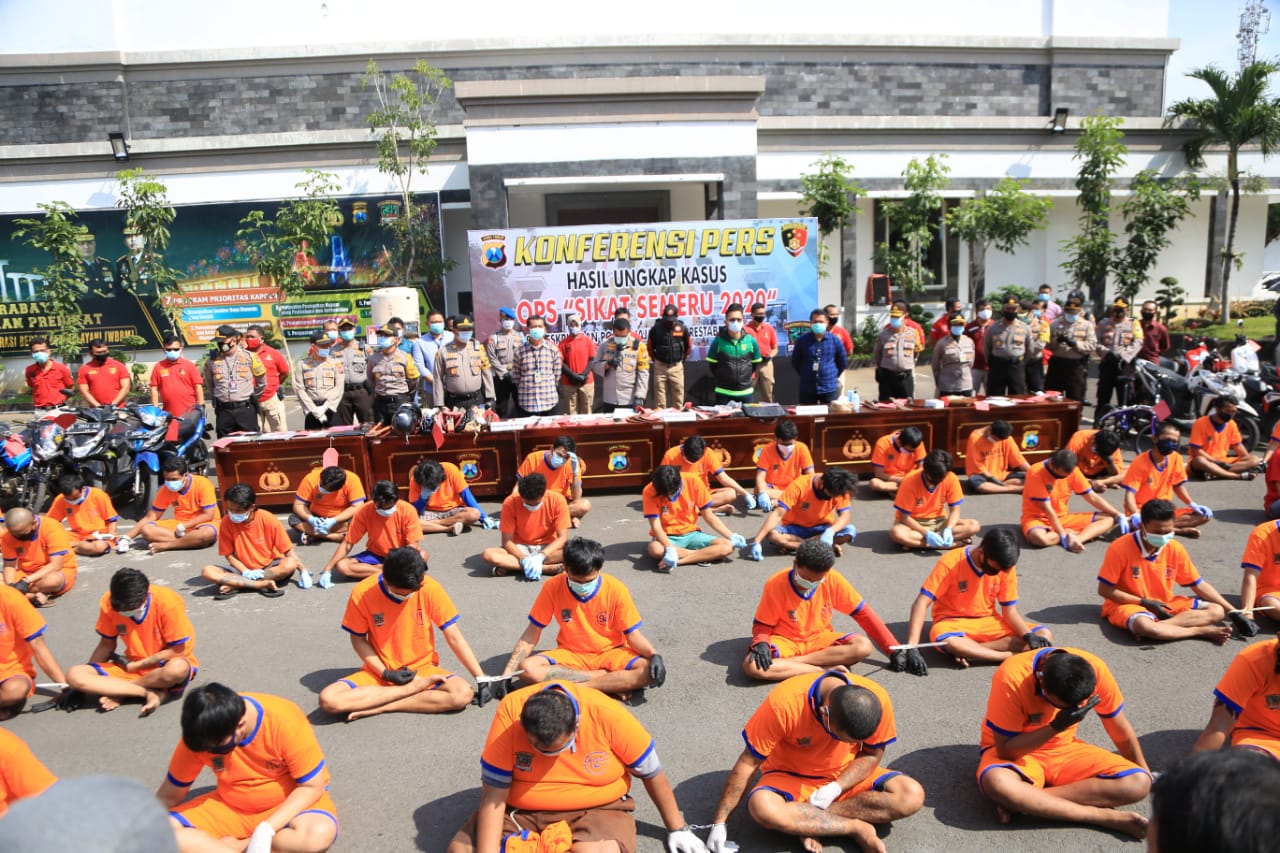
point(1101, 152)
point(911, 224)
point(404, 125)
point(830, 196)
point(65, 282)
point(145, 201)
point(277, 245)
point(1002, 217)
point(1239, 114)
point(1153, 210)
point(1169, 297)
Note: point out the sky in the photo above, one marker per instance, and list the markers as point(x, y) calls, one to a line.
point(1208, 29)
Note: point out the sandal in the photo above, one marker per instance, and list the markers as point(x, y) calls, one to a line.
point(225, 594)
point(271, 593)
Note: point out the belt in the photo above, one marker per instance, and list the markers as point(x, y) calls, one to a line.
point(407, 395)
point(351, 386)
point(450, 397)
point(233, 404)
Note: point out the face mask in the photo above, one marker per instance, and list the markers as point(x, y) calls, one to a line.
point(1046, 295)
point(1148, 315)
point(131, 614)
point(1054, 474)
point(819, 492)
point(174, 485)
point(1157, 540)
point(895, 322)
point(173, 354)
point(785, 450)
point(1070, 317)
point(819, 327)
point(537, 334)
point(238, 517)
point(553, 753)
point(101, 358)
point(532, 507)
point(348, 335)
point(78, 500)
point(435, 328)
point(40, 357)
point(385, 513)
point(322, 353)
point(226, 347)
point(759, 319)
point(575, 330)
point(831, 321)
point(984, 314)
point(734, 326)
point(1167, 446)
point(990, 571)
point(670, 321)
point(676, 496)
point(398, 599)
point(464, 337)
point(957, 331)
point(802, 584)
point(332, 334)
point(385, 343)
point(223, 748)
point(1010, 315)
point(1226, 418)
point(619, 342)
point(554, 460)
point(1036, 312)
point(582, 590)
point(508, 325)
point(323, 491)
point(253, 343)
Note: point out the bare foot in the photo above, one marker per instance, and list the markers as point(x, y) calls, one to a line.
point(1004, 815)
point(1131, 823)
point(575, 522)
point(813, 845)
point(1219, 634)
point(1077, 547)
point(106, 704)
point(1189, 532)
point(838, 549)
point(39, 599)
point(150, 704)
point(963, 662)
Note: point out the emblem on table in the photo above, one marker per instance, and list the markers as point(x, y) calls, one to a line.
point(470, 467)
point(759, 447)
point(795, 236)
point(1031, 438)
point(856, 447)
point(619, 460)
point(273, 480)
point(493, 249)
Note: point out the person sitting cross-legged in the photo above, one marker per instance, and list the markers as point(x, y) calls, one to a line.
point(440, 494)
point(599, 643)
point(893, 457)
point(780, 462)
point(692, 456)
point(1098, 457)
point(792, 633)
point(1217, 449)
point(22, 775)
point(38, 560)
point(21, 642)
point(926, 509)
point(814, 506)
point(1159, 474)
point(992, 461)
point(89, 513)
point(159, 646)
point(1136, 584)
point(326, 501)
point(388, 522)
point(535, 526)
point(1045, 520)
point(964, 590)
point(389, 619)
point(1260, 584)
point(563, 470)
point(673, 502)
point(260, 558)
point(1244, 704)
point(195, 512)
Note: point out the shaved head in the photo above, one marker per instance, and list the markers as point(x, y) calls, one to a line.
point(19, 519)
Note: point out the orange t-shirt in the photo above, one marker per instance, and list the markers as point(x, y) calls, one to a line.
point(21, 773)
point(1249, 688)
point(804, 507)
point(1044, 494)
point(918, 501)
point(449, 493)
point(537, 527)
point(399, 529)
point(20, 623)
point(399, 631)
point(681, 515)
point(787, 612)
point(92, 515)
point(588, 626)
point(1214, 440)
point(164, 623)
point(1016, 705)
point(329, 505)
point(257, 542)
point(961, 590)
point(890, 460)
point(279, 753)
point(787, 733)
point(1129, 568)
point(1089, 462)
point(196, 497)
point(32, 555)
point(610, 746)
point(1148, 481)
point(561, 479)
point(995, 458)
point(780, 472)
point(1262, 555)
point(705, 468)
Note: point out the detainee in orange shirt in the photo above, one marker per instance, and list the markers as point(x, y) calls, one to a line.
point(1260, 586)
point(443, 499)
point(1159, 474)
point(535, 527)
point(326, 501)
point(673, 502)
point(1098, 457)
point(388, 522)
point(1136, 584)
point(22, 642)
point(893, 457)
point(563, 470)
point(195, 512)
point(1038, 700)
point(1217, 449)
point(1244, 706)
point(814, 506)
point(389, 619)
point(792, 633)
point(533, 774)
point(692, 456)
point(271, 777)
point(38, 560)
point(964, 590)
point(926, 507)
point(89, 513)
point(22, 775)
point(993, 463)
point(818, 742)
point(779, 462)
point(260, 558)
point(159, 646)
point(1046, 496)
point(598, 640)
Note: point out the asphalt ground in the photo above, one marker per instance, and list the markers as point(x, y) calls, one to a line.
point(406, 782)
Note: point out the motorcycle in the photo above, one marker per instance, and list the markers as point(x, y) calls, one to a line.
point(187, 440)
point(45, 439)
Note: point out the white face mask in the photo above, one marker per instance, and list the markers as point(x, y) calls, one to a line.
point(508, 325)
point(984, 314)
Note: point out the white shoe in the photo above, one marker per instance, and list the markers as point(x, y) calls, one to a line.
point(180, 531)
point(122, 544)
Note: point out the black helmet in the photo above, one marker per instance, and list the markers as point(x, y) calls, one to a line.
point(406, 419)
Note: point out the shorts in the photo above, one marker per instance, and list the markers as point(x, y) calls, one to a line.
point(437, 514)
point(612, 821)
point(171, 524)
point(980, 629)
point(976, 480)
point(111, 670)
point(365, 678)
point(15, 671)
point(800, 531)
point(1073, 521)
point(235, 571)
point(1256, 740)
point(210, 814)
point(368, 558)
point(294, 521)
point(933, 525)
point(786, 647)
point(68, 580)
point(1122, 615)
point(610, 660)
point(694, 540)
point(795, 788)
point(77, 537)
point(1071, 761)
point(529, 550)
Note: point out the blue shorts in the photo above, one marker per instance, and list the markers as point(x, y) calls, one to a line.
point(368, 558)
point(695, 540)
point(802, 532)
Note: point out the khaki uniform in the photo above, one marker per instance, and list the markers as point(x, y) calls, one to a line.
point(393, 375)
point(357, 404)
point(501, 349)
point(1070, 344)
point(320, 387)
point(895, 360)
point(235, 383)
point(463, 375)
point(952, 365)
point(1118, 343)
point(624, 372)
point(1008, 346)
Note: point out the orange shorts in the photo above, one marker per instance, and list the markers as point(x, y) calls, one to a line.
point(1072, 761)
point(112, 670)
point(611, 660)
point(68, 580)
point(171, 524)
point(798, 789)
point(785, 647)
point(1122, 615)
point(1253, 739)
point(16, 669)
point(980, 629)
point(365, 678)
point(1074, 521)
point(210, 814)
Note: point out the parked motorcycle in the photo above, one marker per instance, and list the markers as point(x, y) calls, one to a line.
point(1187, 398)
point(45, 439)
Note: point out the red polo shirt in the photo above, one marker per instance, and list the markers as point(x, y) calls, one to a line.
point(47, 381)
point(105, 380)
point(176, 383)
point(577, 352)
point(277, 368)
point(766, 338)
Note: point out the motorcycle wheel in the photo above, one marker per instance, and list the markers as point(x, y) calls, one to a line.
point(145, 493)
point(1133, 424)
point(1250, 432)
point(38, 496)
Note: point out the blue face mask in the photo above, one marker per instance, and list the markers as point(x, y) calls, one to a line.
point(173, 354)
point(554, 460)
point(895, 322)
point(537, 334)
point(802, 584)
point(1070, 317)
point(385, 513)
point(436, 328)
point(131, 614)
point(957, 331)
point(819, 328)
point(323, 353)
point(583, 590)
point(175, 485)
point(553, 753)
point(464, 336)
point(40, 357)
point(384, 343)
point(238, 517)
point(348, 335)
point(84, 493)
point(333, 334)
point(1157, 540)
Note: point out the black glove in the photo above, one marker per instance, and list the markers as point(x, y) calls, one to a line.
point(1159, 608)
point(69, 700)
point(898, 661)
point(915, 663)
point(657, 671)
point(22, 586)
point(1035, 641)
point(484, 692)
point(499, 689)
point(398, 676)
point(1243, 624)
point(762, 656)
point(1066, 718)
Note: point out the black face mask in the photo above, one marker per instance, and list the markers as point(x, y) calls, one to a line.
point(1054, 474)
point(101, 358)
point(1226, 418)
point(1148, 315)
point(759, 319)
point(820, 493)
point(1010, 315)
point(670, 321)
point(1166, 446)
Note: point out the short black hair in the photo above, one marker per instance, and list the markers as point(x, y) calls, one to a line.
point(384, 491)
point(1064, 460)
point(1069, 677)
point(97, 342)
point(70, 483)
point(548, 715)
point(838, 481)
point(565, 441)
point(397, 320)
point(815, 555)
point(333, 478)
point(734, 306)
point(1002, 547)
point(855, 711)
point(665, 479)
point(1225, 400)
point(38, 340)
point(1001, 429)
point(1106, 442)
point(1157, 510)
point(817, 313)
point(210, 714)
point(936, 464)
point(621, 324)
point(128, 589)
point(531, 487)
point(785, 430)
point(404, 568)
point(757, 306)
point(171, 339)
point(1222, 800)
point(539, 317)
point(1169, 425)
point(172, 464)
point(583, 556)
point(241, 494)
point(693, 447)
point(428, 474)
point(911, 437)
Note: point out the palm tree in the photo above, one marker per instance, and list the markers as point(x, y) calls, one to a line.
point(1239, 114)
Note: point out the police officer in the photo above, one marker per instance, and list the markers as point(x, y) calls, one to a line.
point(894, 357)
point(1119, 341)
point(356, 404)
point(1072, 339)
point(98, 273)
point(501, 348)
point(234, 380)
point(320, 382)
point(1010, 342)
point(135, 267)
point(622, 363)
point(952, 360)
point(669, 346)
point(393, 375)
point(1035, 319)
point(463, 375)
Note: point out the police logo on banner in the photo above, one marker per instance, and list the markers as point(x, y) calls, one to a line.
point(795, 236)
point(493, 247)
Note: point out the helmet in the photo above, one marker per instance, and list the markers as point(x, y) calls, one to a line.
point(406, 419)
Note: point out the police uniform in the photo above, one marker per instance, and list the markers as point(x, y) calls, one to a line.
point(623, 371)
point(895, 359)
point(1033, 368)
point(394, 376)
point(320, 387)
point(463, 377)
point(98, 272)
point(356, 403)
point(1070, 345)
point(952, 362)
point(1009, 343)
point(1118, 343)
point(501, 348)
point(234, 382)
